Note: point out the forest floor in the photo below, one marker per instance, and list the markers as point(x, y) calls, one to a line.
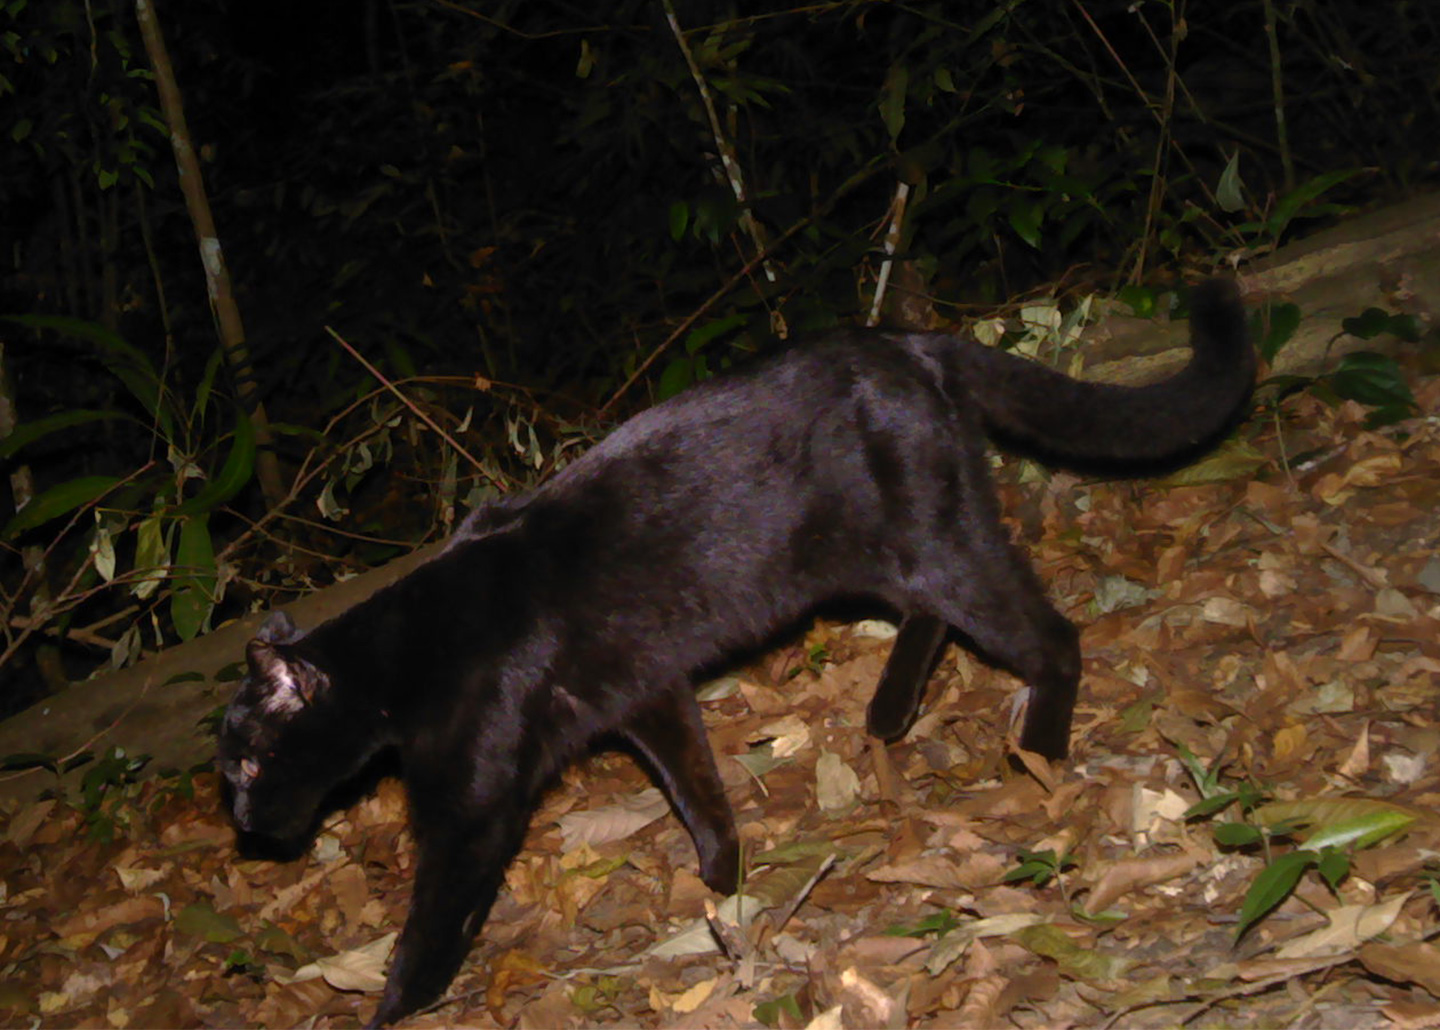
point(1279, 624)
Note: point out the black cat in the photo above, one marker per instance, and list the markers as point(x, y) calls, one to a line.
point(854, 466)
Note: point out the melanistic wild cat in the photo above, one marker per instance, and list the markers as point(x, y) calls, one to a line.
point(851, 467)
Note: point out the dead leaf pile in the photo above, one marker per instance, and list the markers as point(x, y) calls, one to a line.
point(1275, 617)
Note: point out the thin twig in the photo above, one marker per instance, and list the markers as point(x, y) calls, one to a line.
point(729, 160)
point(474, 462)
point(892, 243)
point(56, 604)
point(739, 277)
point(1277, 94)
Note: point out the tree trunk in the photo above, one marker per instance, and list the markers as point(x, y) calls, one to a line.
point(217, 276)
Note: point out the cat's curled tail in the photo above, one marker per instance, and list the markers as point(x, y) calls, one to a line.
point(1103, 427)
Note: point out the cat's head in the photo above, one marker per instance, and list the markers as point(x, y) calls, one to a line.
point(283, 742)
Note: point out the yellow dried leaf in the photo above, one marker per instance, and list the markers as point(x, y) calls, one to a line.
point(1290, 743)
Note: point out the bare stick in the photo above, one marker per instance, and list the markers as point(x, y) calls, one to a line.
point(892, 243)
point(729, 161)
point(212, 257)
point(459, 449)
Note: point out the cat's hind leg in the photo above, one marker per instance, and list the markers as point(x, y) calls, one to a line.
point(670, 734)
point(997, 601)
point(907, 671)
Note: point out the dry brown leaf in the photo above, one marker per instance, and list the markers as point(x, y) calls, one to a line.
point(1417, 962)
point(1349, 926)
point(30, 818)
point(837, 788)
point(1357, 762)
point(597, 826)
point(868, 1004)
point(934, 870)
point(1359, 644)
point(352, 893)
point(1135, 874)
point(359, 969)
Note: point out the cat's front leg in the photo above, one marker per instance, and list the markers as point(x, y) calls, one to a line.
point(459, 873)
point(670, 734)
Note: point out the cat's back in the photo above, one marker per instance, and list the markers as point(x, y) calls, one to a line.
point(769, 427)
point(813, 376)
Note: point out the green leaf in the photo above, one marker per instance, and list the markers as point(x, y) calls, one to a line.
point(28, 760)
point(59, 500)
point(1230, 192)
point(1406, 327)
point(586, 62)
point(1293, 204)
point(125, 362)
point(1210, 805)
point(1334, 866)
point(1087, 964)
point(1279, 322)
point(1207, 781)
point(1369, 324)
point(678, 375)
point(1237, 835)
point(1361, 830)
point(207, 381)
point(1026, 217)
point(698, 338)
point(939, 923)
point(1372, 379)
point(233, 476)
point(200, 920)
point(1140, 298)
point(194, 593)
point(29, 432)
point(1136, 717)
point(892, 100)
point(679, 220)
point(399, 357)
point(152, 556)
point(770, 1012)
point(1273, 886)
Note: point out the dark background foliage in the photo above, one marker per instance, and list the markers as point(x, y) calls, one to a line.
point(529, 192)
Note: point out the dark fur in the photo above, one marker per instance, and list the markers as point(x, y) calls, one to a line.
point(854, 466)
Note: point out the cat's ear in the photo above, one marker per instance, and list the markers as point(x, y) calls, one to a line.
point(285, 684)
point(278, 628)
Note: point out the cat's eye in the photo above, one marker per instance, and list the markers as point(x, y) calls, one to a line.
point(249, 769)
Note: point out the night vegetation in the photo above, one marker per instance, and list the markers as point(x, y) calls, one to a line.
point(519, 213)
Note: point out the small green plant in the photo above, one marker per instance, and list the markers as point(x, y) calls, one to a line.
point(1300, 202)
point(782, 1011)
point(1040, 867)
point(1367, 377)
point(937, 923)
point(22, 760)
point(597, 995)
point(1215, 796)
point(163, 507)
point(241, 963)
point(815, 658)
point(1336, 827)
point(106, 791)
